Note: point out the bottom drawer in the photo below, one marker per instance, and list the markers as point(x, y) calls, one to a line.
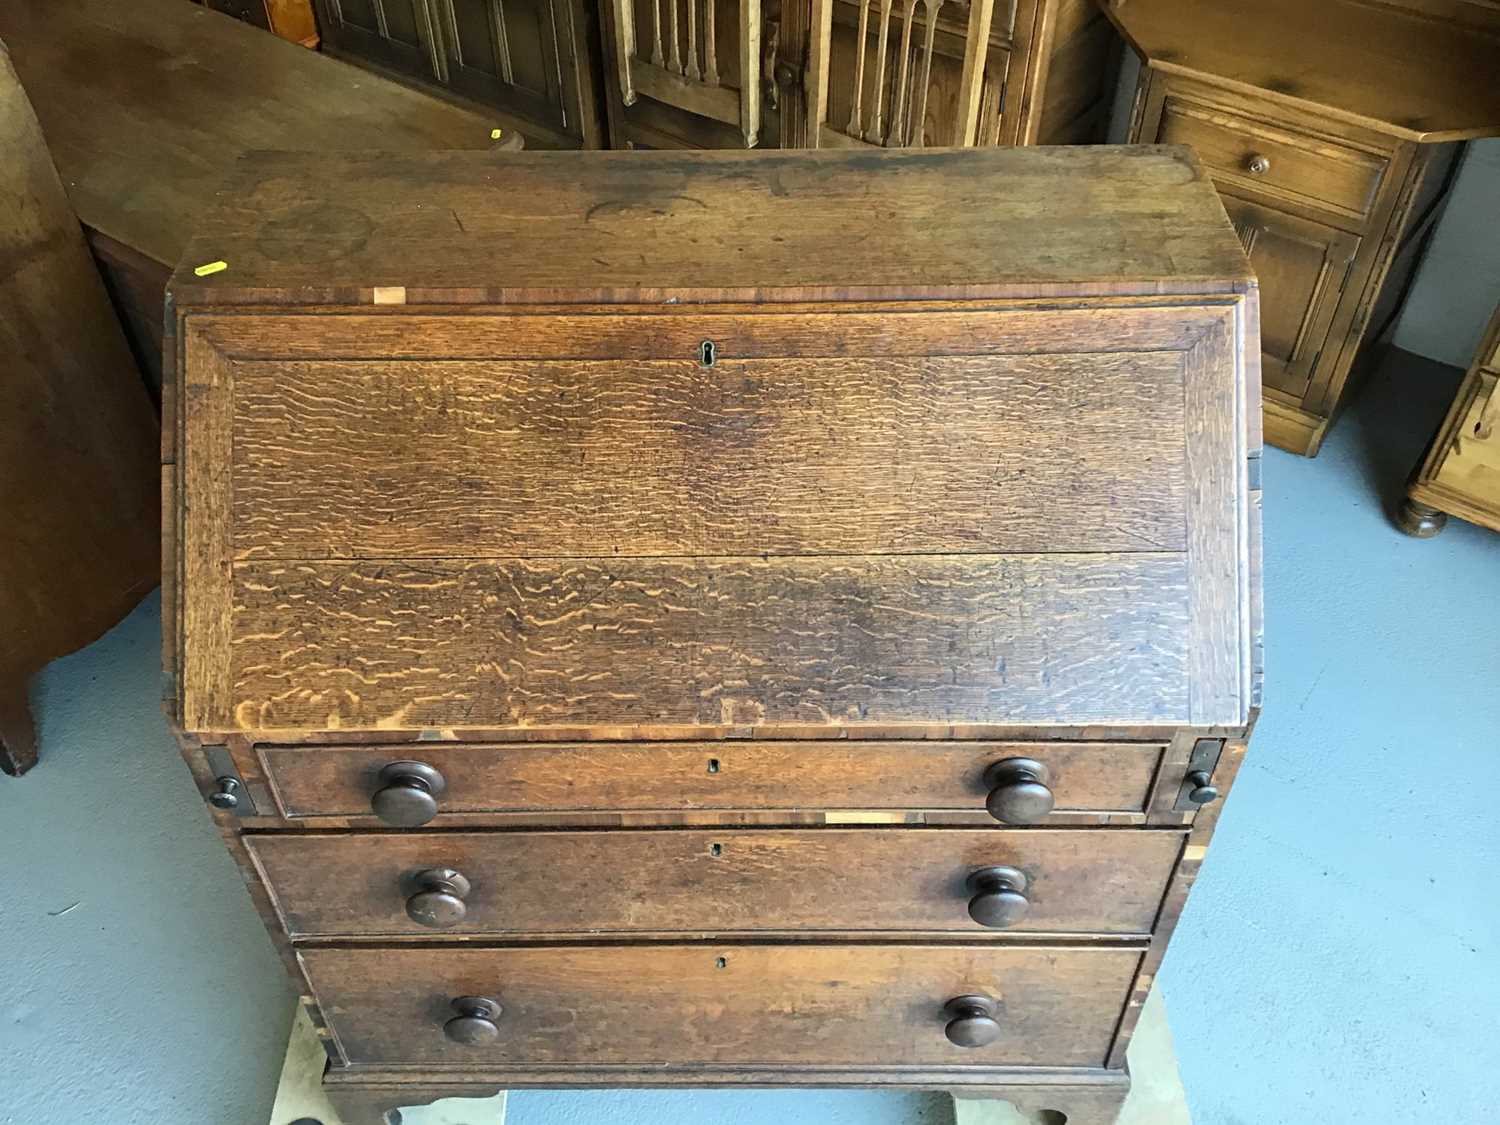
point(747, 1005)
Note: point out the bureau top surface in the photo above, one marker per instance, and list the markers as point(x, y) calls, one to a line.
point(1420, 71)
point(643, 226)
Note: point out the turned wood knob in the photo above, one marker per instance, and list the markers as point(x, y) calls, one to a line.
point(1202, 791)
point(474, 1025)
point(1018, 791)
point(999, 896)
point(438, 901)
point(1258, 165)
point(971, 1021)
point(408, 794)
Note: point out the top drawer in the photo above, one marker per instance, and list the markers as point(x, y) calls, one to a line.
point(1319, 172)
point(678, 518)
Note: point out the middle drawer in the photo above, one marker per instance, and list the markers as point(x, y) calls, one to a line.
point(561, 883)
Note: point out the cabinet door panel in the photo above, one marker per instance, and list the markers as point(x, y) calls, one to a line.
point(1302, 266)
point(700, 58)
point(529, 57)
point(511, 53)
point(908, 73)
point(394, 33)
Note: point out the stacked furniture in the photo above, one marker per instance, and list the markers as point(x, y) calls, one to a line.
point(808, 653)
point(1332, 130)
point(146, 105)
point(1460, 472)
point(747, 73)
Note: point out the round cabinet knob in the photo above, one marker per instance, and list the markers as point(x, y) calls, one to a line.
point(438, 902)
point(999, 896)
point(1258, 165)
point(474, 1026)
point(1202, 792)
point(408, 794)
point(1018, 791)
point(971, 1021)
point(227, 795)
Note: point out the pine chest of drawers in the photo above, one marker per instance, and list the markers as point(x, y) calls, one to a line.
point(717, 619)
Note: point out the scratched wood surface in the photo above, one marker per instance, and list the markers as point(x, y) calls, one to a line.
point(750, 1004)
point(853, 455)
point(610, 226)
point(843, 517)
point(733, 774)
point(530, 884)
point(877, 638)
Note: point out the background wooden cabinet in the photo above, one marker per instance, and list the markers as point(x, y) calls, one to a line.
point(736, 73)
point(1331, 131)
point(1302, 265)
point(533, 59)
point(1460, 473)
point(835, 73)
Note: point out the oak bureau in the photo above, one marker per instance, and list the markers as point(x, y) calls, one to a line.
point(716, 619)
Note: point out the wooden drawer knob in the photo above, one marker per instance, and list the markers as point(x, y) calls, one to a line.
point(971, 1021)
point(474, 1025)
point(408, 794)
point(1258, 165)
point(1203, 791)
point(1018, 791)
point(999, 896)
point(438, 901)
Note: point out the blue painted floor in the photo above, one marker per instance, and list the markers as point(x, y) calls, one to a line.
point(1339, 960)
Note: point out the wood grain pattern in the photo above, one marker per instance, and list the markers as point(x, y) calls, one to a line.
point(780, 456)
point(453, 643)
point(563, 884)
point(738, 774)
point(557, 227)
point(1220, 628)
point(514, 478)
point(674, 1005)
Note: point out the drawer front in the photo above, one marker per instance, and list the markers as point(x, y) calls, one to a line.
point(555, 883)
point(747, 1005)
point(1275, 160)
point(680, 520)
point(339, 781)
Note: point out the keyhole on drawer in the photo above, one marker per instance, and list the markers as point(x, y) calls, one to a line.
point(713, 765)
point(721, 962)
point(707, 353)
point(715, 849)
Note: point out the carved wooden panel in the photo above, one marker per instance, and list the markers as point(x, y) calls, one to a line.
point(697, 55)
point(527, 56)
point(1301, 265)
point(908, 73)
point(515, 53)
point(394, 33)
